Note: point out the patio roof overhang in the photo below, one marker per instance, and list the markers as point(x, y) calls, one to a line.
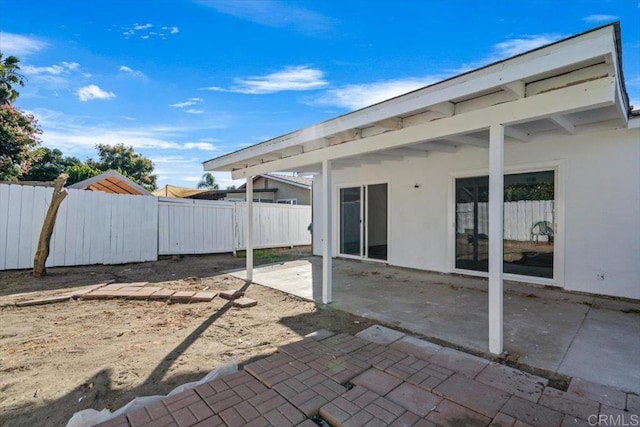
point(561, 86)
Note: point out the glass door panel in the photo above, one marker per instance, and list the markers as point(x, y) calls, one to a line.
point(350, 223)
point(528, 223)
point(472, 223)
point(376, 224)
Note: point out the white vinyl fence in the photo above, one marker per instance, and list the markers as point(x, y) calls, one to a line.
point(100, 228)
point(274, 225)
point(91, 227)
point(519, 217)
point(201, 226)
point(188, 226)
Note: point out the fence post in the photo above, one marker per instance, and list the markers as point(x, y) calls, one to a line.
point(234, 225)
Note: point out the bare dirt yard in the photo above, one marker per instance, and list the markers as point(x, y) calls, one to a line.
point(61, 358)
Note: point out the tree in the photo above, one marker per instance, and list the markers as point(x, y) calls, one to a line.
point(48, 164)
point(208, 181)
point(81, 172)
point(18, 138)
point(231, 187)
point(9, 78)
point(44, 242)
point(126, 161)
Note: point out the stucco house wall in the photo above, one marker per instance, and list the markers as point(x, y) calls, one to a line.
point(597, 205)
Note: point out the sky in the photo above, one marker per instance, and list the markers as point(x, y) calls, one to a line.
point(184, 81)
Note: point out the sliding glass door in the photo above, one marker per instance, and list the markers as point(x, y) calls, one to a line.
point(364, 221)
point(529, 225)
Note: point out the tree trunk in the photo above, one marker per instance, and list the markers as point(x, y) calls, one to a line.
point(59, 193)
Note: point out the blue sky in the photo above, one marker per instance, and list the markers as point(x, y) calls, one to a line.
point(185, 81)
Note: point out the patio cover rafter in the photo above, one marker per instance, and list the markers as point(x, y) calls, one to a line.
point(592, 94)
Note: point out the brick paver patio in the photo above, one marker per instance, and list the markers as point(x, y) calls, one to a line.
point(379, 378)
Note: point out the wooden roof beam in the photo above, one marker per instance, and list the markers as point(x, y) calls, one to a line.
point(468, 140)
point(563, 123)
point(404, 152)
point(446, 109)
point(516, 134)
point(433, 146)
point(517, 88)
point(393, 123)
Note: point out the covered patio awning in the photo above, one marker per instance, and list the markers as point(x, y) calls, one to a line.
point(562, 86)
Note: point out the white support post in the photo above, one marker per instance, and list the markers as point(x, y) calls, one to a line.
point(249, 245)
point(327, 234)
point(496, 234)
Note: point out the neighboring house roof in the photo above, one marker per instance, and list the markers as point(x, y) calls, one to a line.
point(111, 182)
point(298, 181)
point(573, 82)
point(177, 192)
point(219, 194)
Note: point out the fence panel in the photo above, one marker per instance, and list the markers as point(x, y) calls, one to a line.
point(275, 225)
point(100, 228)
point(91, 227)
point(194, 226)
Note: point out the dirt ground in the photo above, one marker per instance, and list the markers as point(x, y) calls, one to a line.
point(61, 358)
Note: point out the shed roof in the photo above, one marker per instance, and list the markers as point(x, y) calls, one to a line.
point(111, 182)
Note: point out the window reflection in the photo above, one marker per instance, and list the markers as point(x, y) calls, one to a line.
point(528, 223)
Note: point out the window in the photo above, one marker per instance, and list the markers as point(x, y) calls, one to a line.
point(287, 201)
point(529, 225)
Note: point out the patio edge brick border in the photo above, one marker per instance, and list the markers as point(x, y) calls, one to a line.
point(284, 389)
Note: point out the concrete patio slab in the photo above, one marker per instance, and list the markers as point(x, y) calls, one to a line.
point(572, 334)
point(292, 277)
point(380, 335)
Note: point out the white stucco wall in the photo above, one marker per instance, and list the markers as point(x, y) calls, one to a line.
point(597, 214)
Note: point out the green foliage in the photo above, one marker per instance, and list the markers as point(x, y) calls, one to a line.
point(48, 164)
point(539, 191)
point(19, 137)
point(80, 172)
point(9, 79)
point(208, 182)
point(126, 161)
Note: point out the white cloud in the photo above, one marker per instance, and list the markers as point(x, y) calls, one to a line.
point(139, 27)
point(75, 138)
point(172, 30)
point(71, 134)
point(194, 111)
point(145, 34)
point(357, 96)
point(20, 45)
point(132, 72)
point(524, 43)
point(600, 18)
point(90, 92)
point(204, 146)
point(298, 78)
point(274, 13)
point(57, 69)
point(509, 48)
point(635, 81)
point(187, 103)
